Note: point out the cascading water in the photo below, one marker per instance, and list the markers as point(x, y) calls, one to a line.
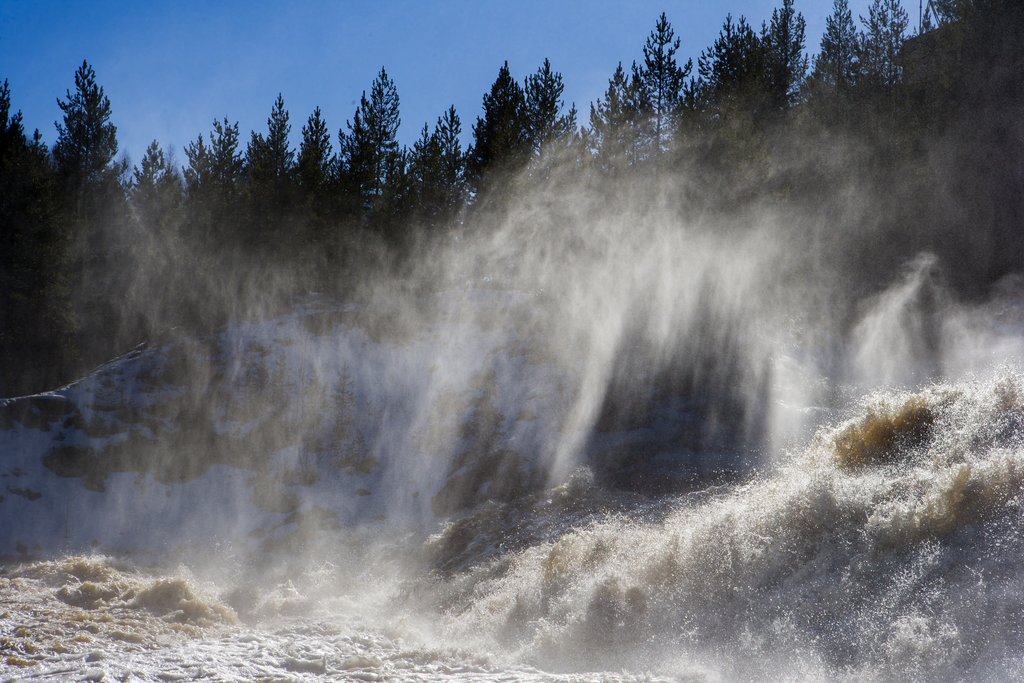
point(643, 447)
point(886, 549)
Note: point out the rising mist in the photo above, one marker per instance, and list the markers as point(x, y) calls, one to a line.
point(731, 400)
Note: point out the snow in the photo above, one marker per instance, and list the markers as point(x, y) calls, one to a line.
point(241, 435)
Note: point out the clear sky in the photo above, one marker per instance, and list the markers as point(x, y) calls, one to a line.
point(170, 68)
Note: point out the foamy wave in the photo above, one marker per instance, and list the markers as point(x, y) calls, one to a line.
point(64, 608)
point(865, 555)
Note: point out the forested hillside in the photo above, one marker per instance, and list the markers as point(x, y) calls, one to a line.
point(894, 139)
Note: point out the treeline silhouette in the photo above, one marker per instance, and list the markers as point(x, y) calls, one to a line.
point(97, 255)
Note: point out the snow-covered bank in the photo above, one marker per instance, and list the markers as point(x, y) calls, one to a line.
point(311, 418)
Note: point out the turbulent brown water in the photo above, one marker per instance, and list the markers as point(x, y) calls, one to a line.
point(897, 562)
point(887, 548)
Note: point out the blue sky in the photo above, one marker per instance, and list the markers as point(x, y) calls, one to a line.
point(170, 68)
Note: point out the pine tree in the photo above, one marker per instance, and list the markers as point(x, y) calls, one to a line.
point(93, 186)
point(212, 181)
point(199, 172)
point(157, 191)
point(315, 171)
point(391, 217)
point(370, 151)
point(425, 177)
point(226, 163)
point(831, 84)
point(545, 121)
point(879, 48)
point(501, 141)
point(269, 169)
point(163, 267)
point(614, 137)
point(316, 156)
point(786, 65)
point(37, 347)
point(943, 12)
point(270, 159)
point(835, 67)
point(437, 172)
point(86, 140)
point(84, 158)
point(663, 80)
point(732, 74)
point(453, 162)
